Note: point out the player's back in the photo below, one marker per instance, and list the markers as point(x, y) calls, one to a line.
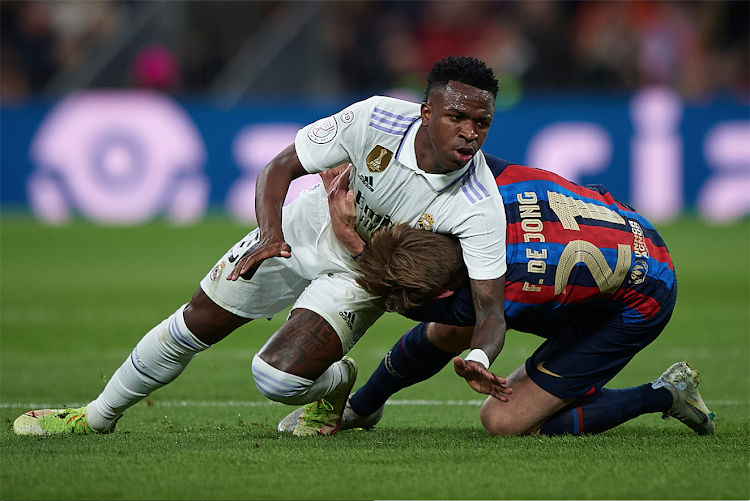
point(571, 246)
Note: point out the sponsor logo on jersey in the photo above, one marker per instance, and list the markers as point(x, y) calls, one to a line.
point(367, 181)
point(369, 220)
point(348, 317)
point(639, 272)
point(323, 131)
point(347, 117)
point(426, 222)
point(216, 272)
point(378, 159)
point(639, 240)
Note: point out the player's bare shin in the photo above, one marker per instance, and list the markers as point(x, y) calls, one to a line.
point(306, 345)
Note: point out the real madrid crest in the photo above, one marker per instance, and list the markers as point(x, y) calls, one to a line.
point(216, 272)
point(426, 222)
point(378, 159)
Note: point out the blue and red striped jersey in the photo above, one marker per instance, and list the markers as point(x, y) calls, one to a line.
point(571, 245)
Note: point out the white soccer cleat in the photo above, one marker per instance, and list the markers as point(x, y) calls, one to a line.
point(682, 382)
point(351, 419)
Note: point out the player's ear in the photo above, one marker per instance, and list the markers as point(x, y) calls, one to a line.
point(426, 113)
point(444, 293)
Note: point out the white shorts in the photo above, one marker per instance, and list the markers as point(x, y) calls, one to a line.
point(318, 277)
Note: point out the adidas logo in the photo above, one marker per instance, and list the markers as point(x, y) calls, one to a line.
point(367, 181)
point(348, 317)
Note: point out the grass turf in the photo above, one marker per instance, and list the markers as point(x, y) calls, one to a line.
point(75, 300)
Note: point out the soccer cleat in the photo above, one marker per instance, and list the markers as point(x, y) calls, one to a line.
point(290, 421)
point(682, 382)
point(324, 416)
point(54, 421)
point(351, 419)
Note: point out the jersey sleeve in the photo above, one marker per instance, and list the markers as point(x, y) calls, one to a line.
point(333, 140)
point(482, 237)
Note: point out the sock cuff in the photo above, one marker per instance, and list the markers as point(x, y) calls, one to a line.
point(179, 332)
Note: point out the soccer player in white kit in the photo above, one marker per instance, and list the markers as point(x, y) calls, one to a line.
point(415, 164)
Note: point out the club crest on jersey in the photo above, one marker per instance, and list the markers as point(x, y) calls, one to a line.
point(323, 131)
point(216, 272)
point(378, 159)
point(426, 222)
point(639, 272)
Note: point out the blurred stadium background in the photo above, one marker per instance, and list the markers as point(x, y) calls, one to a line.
point(119, 111)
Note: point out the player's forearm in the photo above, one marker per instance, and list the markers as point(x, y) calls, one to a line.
point(489, 331)
point(271, 189)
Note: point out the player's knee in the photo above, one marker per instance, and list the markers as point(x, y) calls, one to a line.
point(497, 421)
point(278, 385)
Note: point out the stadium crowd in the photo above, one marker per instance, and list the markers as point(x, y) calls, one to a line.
point(700, 48)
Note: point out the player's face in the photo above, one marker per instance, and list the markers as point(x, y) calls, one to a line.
point(455, 123)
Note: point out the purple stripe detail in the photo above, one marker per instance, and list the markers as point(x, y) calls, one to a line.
point(396, 125)
point(395, 132)
point(391, 115)
point(468, 195)
point(462, 178)
point(473, 184)
point(176, 334)
point(271, 386)
point(147, 375)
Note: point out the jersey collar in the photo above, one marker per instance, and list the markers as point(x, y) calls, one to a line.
point(407, 156)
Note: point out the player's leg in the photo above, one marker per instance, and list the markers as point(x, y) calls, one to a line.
point(526, 409)
point(303, 363)
point(158, 359)
point(418, 355)
point(300, 362)
point(161, 356)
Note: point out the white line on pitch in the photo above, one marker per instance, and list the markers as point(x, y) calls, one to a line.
point(268, 403)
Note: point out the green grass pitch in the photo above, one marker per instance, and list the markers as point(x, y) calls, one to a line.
point(75, 300)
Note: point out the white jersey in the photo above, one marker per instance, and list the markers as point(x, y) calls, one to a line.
point(377, 137)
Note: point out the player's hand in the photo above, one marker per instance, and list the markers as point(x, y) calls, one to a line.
point(343, 212)
point(329, 175)
point(267, 247)
point(480, 379)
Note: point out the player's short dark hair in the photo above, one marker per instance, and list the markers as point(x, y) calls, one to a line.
point(409, 267)
point(466, 70)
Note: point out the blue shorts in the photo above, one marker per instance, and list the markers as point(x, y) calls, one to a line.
point(584, 348)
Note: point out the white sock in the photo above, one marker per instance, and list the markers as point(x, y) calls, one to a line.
point(295, 390)
point(157, 360)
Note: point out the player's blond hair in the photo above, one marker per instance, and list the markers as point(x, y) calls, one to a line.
point(409, 267)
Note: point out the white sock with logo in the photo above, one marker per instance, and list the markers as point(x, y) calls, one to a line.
point(289, 389)
point(156, 361)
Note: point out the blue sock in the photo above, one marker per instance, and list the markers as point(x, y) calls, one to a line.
point(606, 409)
point(411, 360)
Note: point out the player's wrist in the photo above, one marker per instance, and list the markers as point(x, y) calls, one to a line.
point(478, 355)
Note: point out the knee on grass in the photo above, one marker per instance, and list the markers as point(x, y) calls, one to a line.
point(498, 421)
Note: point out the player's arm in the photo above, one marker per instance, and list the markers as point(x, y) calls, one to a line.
point(488, 338)
point(270, 192)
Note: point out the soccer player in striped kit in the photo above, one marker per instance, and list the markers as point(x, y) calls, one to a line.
point(586, 272)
